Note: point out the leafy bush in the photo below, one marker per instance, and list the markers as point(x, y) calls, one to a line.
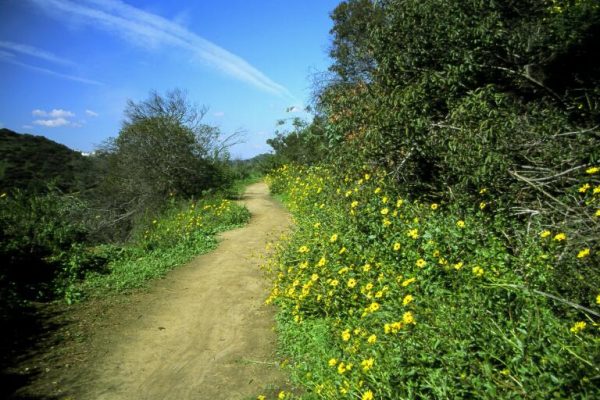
point(385, 297)
point(162, 150)
point(41, 242)
point(452, 96)
point(185, 230)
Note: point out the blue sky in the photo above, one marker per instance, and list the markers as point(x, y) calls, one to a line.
point(67, 67)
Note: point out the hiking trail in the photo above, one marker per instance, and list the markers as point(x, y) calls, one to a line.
point(202, 332)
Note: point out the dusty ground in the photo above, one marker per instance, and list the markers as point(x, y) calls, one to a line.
point(203, 332)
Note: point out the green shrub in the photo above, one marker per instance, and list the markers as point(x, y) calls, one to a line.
point(41, 238)
point(380, 295)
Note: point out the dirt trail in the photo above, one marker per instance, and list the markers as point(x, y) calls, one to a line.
point(203, 332)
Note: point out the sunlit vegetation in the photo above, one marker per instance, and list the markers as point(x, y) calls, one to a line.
point(148, 200)
point(401, 298)
point(446, 240)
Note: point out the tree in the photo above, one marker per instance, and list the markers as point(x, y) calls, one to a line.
point(351, 50)
point(303, 144)
point(163, 150)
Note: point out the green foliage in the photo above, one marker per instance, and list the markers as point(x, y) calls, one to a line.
point(29, 163)
point(46, 253)
point(40, 242)
point(419, 87)
point(183, 231)
point(303, 144)
point(67, 245)
point(162, 150)
point(391, 298)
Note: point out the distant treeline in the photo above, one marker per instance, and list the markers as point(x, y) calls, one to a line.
point(30, 163)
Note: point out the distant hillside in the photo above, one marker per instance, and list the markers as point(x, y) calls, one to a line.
point(29, 163)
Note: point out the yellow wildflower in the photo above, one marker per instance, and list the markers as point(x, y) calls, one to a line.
point(460, 223)
point(592, 170)
point(342, 250)
point(346, 335)
point(372, 339)
point(482, 205)
point(399, 203)
point(396, 246)
point(477, 271)
point(367, 177)
point(421, 263)
point(458, 265)
point(314, 277)
point(385, 211)
point(482, 191)
point(384, 200)
point(367, 364)
point(374, 306)
point(545, 234)
point(434, 206)
point(386, 222)
point(596, 190)
point(578, 327)
point(377, 190)
point(367, 267)
point(334, 282)
point(583, 253)
point(261, 397)
point(368, 395)
point(332, 362)
point(413, 233)
point(598, 299)
point(396, 326)
point(584, 188)
point(333, 238)
point(408, 318)
point(322, 262)
point(317, 225)
point(597, 214)
point(354, 204)
point(408, 281)
point(281, 395)
point(351, 283)
point(560, 237)
point(407, 299)
point(303, 249)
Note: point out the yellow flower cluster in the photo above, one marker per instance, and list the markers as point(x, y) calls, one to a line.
point(362, 258)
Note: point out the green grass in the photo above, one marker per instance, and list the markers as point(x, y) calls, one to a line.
point(180, 234)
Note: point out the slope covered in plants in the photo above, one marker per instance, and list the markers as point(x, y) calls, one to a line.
point(448, 214)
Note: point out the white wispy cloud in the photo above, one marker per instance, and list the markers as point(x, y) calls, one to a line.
point(91, 113)
point(34, 52)
point(150, 30)
point(52, 123)
point(55, 113)
point(9, 58)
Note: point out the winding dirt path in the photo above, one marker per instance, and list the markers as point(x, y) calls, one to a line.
point(203, 332)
